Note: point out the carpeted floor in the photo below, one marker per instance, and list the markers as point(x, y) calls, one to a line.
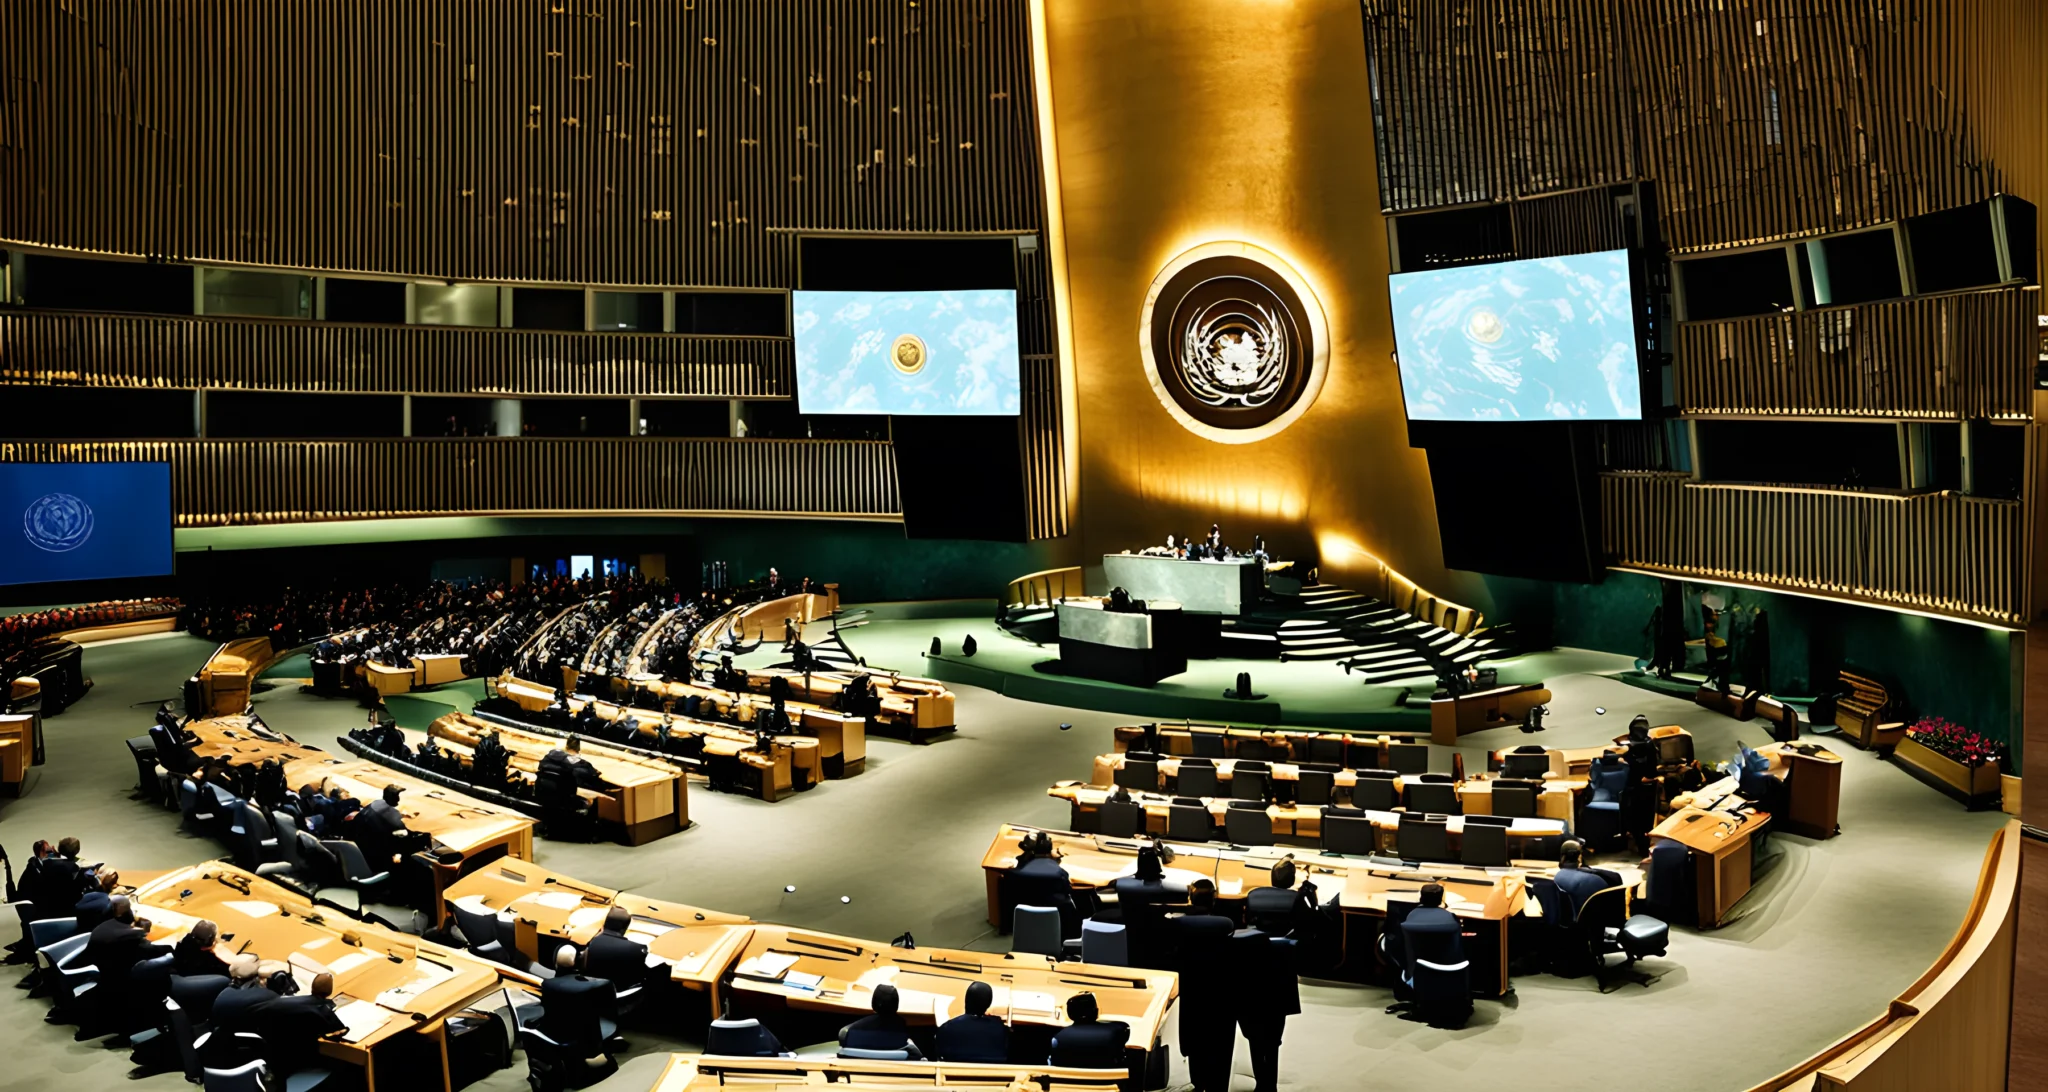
point(1831, 933)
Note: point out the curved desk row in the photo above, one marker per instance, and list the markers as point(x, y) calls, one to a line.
point(1303, 821)
point(649, 797)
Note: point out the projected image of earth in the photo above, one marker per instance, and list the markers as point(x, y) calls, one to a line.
point(1545, 338)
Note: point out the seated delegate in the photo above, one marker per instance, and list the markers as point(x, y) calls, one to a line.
point(974, 1035)
point(1089, 1042)
point(880, 1030)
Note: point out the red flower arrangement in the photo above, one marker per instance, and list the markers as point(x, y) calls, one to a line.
point(1953, 741)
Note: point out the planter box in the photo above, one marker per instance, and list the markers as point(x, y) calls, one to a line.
point(1972, 785)
point(2009, 794)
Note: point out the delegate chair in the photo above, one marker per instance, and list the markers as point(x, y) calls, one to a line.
point(1119, 819)
point(1247, 824)
point(1600, 818)
point(1529, 762)
point(1036, 929)
point(1105, 943)
point(190, 1007)
point(1433, 798)
point(1392, 952)
point(1138, 774)
point(1197, 778)
point(743, 1039)
point(1408, 758)
point(1515, 799)
point(1347, 831)
point(1206, 744)
point(1669, 891)
point(559, 1052)
point(1485, 841)
point(196, 808)
point(1606, 928)
point(1437, 975)
point(1377, 790)
point(1258, 750)
point(1315, 787)
point(479, 929)
point(1423, 839)
point(256, 843)
point(1248, 780)
point(1188, 821)
point(1674, 748)
point(1327, 751)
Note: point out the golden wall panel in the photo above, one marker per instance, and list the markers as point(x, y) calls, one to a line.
point(232, 482)
point(1182, 122)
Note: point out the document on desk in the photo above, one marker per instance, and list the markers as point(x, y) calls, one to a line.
point(349, 963)
point(584, 916)
point(1032, 1003)
point(768, 966)
point(558, 900)
point(254, 908)
point(428, 975)
point(362, 1018)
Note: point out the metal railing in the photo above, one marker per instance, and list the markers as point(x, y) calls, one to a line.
point(225, 482)
point(1941, 553)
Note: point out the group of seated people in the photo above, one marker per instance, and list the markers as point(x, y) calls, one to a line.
point(249, 1013)
point(20, 631)
point(1208, 548)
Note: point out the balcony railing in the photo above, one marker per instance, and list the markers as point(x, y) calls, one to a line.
point(222, 482)
point(1941, 553)
point(114, 350)
point(1952, 356)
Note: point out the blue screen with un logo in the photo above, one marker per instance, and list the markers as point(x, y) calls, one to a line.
point(1543, 339)
point(906, 352)
point(84, 521)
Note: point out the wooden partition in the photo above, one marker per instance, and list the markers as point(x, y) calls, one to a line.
point(225, 680)
point(1949, 1029)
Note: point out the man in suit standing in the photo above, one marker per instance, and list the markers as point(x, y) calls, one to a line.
point(1140, 898)
point(1208, 1035)
point(1262, 965)
point(1088, 1042)
point(974, 1035)
point(612, 956)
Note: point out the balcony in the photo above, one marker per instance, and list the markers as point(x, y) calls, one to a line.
point(1938, 553)
point(117, 350)
point(1944, 357)
point(234, 482)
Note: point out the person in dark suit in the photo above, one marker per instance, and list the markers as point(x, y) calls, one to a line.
point(566, 763)
point(1089, 1042)
point(293, 1026)
point(92, 907)
point(1280, 908)
point(612, 956)
point(575, 1006)
point(120, 942)
point(1434, 935)
point(1196, 943)
point(193, 955)
point(1140, 900)
point(1262, 967)
point(381, 830)
point(881, 1029)
point(247, 991)
point(974, 1035)
point(1575, 881)
point(1038, 880)
point(63, 880)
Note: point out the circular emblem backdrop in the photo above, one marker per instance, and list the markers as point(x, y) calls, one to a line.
point(57, 522)
point(1234, 342)
point(909, 354)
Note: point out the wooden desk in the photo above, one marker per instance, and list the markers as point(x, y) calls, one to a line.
point(1479, 710)
point(648, 796)
point(1567, 762)
point(1346, 749)
point(698, 945)
point(1288, 820)
point(1556, 801)
point(237, 741)
point(774, 773)
point(703, 1073)
point(229, 673)
point(1474, 795)
point(1813, 788)
point(1720, 844)
point(931, 983)
point(414, 985)
point(17, 751)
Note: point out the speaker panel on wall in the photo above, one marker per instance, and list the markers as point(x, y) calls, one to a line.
point(1516, 499)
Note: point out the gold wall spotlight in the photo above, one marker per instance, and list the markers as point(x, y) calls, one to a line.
point(1234, 342)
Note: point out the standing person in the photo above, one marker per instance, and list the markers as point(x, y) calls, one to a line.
point(1140, 898)
point(1263, 969)
point(1197, 942)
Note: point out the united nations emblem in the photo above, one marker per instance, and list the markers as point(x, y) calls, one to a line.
point(57, 522)
point(909, 354)
point(1234, 342)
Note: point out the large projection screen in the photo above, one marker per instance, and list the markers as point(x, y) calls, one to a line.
point(1543, 339)
point(922, 353)
point(84, 521)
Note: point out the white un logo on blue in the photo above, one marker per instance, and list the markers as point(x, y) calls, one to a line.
point(57, 522)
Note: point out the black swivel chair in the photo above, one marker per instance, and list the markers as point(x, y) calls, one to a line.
point(1423, 838)
point(743, 1039)
point(1322, 749)
point(1197, 778)
point(1205, 744)
point(1248, 780)
point(1246, 823)
point(1138, 774)
point(1606, 928)
point(1188, 821)
point(1376, 793)
point(1483, 843)
point(1120, 820)
point(1600, 818)
point(1408, 758)
point(1526, 762)
point(1347, 831)
point(1433, 798)
point(1437, 975)
point(1516, 799)
point(1315, 787)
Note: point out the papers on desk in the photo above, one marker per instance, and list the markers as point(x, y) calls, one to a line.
point(349, 963)
point(429, 974)
point(1032, 1003)
point(1231, 887)
point(587, 915)
point(362, 1018)
point(255, 908)
point(798, 980)
point(559, 900)
point(304, 970)
point(768, 966)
